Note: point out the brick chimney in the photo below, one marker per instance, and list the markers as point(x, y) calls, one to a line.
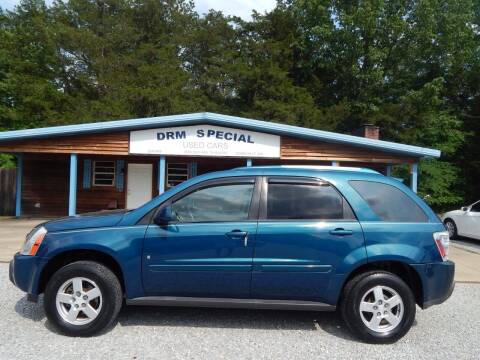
point(369, 131)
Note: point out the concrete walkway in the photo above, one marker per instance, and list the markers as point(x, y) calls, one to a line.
point(13, 232)
point(467, 264)
point(12, 235)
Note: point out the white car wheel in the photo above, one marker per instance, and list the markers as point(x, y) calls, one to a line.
point(451, 228)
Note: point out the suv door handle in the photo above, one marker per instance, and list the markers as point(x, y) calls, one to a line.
point(238, 235)
point(341, 232)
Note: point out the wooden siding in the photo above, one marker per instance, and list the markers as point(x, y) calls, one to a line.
point(300, 149)
point(97, 198)
point(45, 185)
point(7, 192)
point(46, 167)
point(105, 144)
point(291, 148)
point(207, 165)
point(46, 180)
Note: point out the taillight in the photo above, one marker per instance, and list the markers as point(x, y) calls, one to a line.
point(442, 241)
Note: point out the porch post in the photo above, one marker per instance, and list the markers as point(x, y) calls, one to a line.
point(414, 177)
point(335, 163)
point(18, 186)
point(389, 170)
point(249, 162)
point(161, 175)
point(72, 195)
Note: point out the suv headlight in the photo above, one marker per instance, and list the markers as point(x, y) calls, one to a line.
point(33, 241)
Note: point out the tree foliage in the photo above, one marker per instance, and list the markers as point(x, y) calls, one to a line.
point(411, 67)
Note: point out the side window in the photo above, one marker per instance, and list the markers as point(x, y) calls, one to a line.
point(229, 202)
point(475, 207)
point(177, 173)
point(103, 173)
point(388, 202)
point(307, 201)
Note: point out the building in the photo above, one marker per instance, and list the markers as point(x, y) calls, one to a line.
point(122, 164)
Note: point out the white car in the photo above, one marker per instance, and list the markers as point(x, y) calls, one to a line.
point(463, 222)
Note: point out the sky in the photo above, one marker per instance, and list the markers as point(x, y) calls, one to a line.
point(242, 8)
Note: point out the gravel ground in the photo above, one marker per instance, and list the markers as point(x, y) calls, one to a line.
point(440, 332)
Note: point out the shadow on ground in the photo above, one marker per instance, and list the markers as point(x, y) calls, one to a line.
point(330, 322)
point(30, 310)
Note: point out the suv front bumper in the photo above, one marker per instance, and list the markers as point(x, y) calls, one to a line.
point(438, 281)
point(24, 272)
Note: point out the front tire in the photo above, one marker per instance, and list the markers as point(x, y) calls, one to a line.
point(83, 298)
point(451, 228)
point(378, 307)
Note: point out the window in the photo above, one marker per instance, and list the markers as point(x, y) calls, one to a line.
point(475, 207)
point(103, 173)
point(314, 201)
point(176, 173)
point(389, 202)
point(216, 203)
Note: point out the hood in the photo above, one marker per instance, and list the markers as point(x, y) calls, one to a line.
point(85, 221)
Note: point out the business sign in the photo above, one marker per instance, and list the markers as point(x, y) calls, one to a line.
point(205, 140)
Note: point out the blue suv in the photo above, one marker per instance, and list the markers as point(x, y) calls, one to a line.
point(282, 237)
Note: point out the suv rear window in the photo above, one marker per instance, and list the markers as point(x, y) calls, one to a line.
point(306, 201)
point(388, 202)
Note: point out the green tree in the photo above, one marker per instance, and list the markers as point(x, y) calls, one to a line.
point(402, 65)
point(266, 86)
point(30, 95)
point(410, 66)
point(122, 58)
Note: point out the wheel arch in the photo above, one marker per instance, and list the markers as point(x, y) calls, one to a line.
point(406, 272)
point(449, 218)
point(69, 256)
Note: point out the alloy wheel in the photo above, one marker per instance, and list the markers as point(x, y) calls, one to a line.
point(79, 301)
point(381, 309)
point(450, 228)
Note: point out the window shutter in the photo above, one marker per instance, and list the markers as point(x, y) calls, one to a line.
point(120, 174)
point(87, 173)
point(193, 169)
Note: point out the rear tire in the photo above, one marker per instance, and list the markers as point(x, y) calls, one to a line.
point(83, 298)
point(378, 307)
point(451, 228)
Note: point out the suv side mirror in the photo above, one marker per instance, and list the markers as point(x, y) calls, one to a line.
point(464, 208)
point(164, 216)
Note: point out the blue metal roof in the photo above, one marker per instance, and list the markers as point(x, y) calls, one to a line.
point(220, 120)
